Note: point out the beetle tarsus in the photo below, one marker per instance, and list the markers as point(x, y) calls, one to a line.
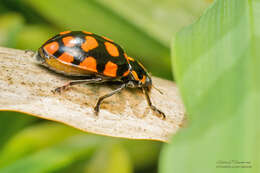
point(158, 111)
point(96, 110)
point(60, 89)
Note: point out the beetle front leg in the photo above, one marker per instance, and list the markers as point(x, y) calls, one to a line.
point(145, 91)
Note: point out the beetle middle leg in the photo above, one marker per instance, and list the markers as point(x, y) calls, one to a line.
point(97, 107)
point(76, 82)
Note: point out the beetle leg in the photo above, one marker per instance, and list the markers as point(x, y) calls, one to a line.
point(76, 82)
point(150, 103)
point(96, 108)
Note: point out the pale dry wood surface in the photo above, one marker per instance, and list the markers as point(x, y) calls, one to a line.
point(26, 87)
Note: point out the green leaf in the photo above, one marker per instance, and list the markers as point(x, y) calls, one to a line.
point(33, 139)
point(216, 64)
point(7, 129)
point(33, 36)
point(10, 26)
point(2, 9)
point(144, 154)
point(56, 157)
point(158, 19)
point(111, 158)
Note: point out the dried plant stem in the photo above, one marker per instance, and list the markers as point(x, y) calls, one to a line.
point(26, 87)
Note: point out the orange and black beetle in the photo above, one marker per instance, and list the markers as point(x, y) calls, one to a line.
point(98, 59)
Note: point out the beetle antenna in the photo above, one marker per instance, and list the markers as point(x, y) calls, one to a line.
point(158, 90)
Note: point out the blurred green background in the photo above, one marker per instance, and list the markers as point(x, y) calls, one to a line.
point(144, 28)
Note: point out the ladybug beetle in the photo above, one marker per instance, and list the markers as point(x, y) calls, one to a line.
point(97, 59)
